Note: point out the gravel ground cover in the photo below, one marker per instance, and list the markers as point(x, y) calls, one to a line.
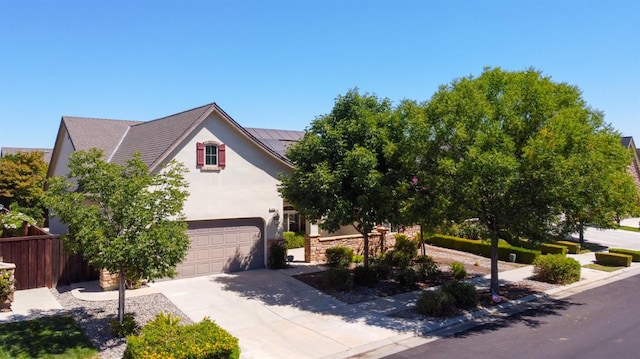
point(94, 317)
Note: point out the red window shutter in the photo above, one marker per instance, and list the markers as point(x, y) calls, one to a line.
point(222, 158)
point(200, 154)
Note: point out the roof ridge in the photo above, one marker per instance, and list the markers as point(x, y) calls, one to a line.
point(176, 114)
point(100, 119)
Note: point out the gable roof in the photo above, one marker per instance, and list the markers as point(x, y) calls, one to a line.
point(46, 152)
point(156, 139)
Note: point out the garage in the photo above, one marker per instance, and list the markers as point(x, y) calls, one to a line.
point(219, 246)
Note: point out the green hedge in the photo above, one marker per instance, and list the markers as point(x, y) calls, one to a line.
point(523, 255)
point(572, 247)
point(613, 259)
point(635, 255)
point(165, 337)
point(547, 248)
point(555, 268)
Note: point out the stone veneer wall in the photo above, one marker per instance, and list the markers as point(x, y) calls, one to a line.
point(315, 246)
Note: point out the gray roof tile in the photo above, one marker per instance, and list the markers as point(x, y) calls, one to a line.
point(104, 134)
point(46, 152)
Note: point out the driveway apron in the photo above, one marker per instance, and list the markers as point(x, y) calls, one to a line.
point(276, 316)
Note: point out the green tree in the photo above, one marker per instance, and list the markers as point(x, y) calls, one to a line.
point(122, 218)
point(22, 177)
point(487, 128)
point(597, 187)
point(424, 193)
point(344, 171)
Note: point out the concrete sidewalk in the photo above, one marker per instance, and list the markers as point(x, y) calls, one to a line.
point(277, 316)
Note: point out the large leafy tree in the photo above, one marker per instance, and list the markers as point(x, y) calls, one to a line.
point(122, 218)
point(597, 188)
point(344, 171)
point(488, 126)
point(22, 177)
point(424, 193)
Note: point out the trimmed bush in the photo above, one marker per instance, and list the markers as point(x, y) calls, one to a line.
point(523, 255)
point(165, 337)
point(547, 248)
point(406, 245)
point(366, 276)
point(458, 270)
point(382, 266)
point(397, 258)
point(436, 303)
point(337, 279)
point(277, 256)
point(128, 326)
point(556, 268)
point(407, 276)
point(464, 294)
point(293, 240)
point(339, 257)
point(427, 268)
point(635, 255)
point(614, 259)
point(572, 247)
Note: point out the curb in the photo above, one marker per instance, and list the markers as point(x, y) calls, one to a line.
point(430, 332)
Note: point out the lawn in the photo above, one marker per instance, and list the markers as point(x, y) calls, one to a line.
point(58, 337)
point(601, 267)
point(627, 228)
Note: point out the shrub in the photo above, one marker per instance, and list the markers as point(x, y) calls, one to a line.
point(547, 248)
point(523, 255)
point(338, 279)
point(458, 270)
point(436, 303)
point(277, 256)
point(614, 259)
point(406, 245)
point(555, 268)
point(396, 258)
point(407, 276)
point(357, 258)
point(7, 284)
point(366, 276)
point(427, 268)
point(635, 255)
point(339, 256)
point(128, 326)
point(572, 247)
point(293, 240)
point(165, 337)
point(382, 267)
point(464, 294)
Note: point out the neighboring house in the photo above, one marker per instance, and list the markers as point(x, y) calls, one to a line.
point(234, 208)
point(14, 150)
point(634, 167)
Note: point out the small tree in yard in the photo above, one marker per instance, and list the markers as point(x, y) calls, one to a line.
point(122, 218)
point(344, 167)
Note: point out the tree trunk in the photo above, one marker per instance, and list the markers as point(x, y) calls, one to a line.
point(366, 248)
point(581, 231)
point(495, 285)
point(121, 288)
point(424, 250)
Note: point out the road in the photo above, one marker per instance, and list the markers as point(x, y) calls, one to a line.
point(603, 322)
point(614, 238)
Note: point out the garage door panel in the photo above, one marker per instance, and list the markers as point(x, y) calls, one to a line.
point(223, 246)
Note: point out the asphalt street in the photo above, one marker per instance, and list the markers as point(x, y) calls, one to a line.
point(603, 322)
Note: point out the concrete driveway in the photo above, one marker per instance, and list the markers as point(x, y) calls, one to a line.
point(277, 316)
point(612, 237)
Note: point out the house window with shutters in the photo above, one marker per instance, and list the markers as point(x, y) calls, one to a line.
point(210, 156)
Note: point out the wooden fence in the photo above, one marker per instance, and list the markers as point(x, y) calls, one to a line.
point(42, 262)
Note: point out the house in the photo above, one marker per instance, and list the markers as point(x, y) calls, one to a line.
point(634, 167)
point(234, 209)
point(46, 152)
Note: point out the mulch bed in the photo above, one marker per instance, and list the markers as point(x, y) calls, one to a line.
point(476, 266)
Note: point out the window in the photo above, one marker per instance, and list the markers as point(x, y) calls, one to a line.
point(210, 155)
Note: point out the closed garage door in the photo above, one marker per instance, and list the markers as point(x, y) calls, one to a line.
point(223, 246)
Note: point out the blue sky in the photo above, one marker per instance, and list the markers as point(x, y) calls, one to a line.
point(280, 64)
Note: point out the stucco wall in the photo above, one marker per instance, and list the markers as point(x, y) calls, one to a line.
point(245, 188)
point(61, 169)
